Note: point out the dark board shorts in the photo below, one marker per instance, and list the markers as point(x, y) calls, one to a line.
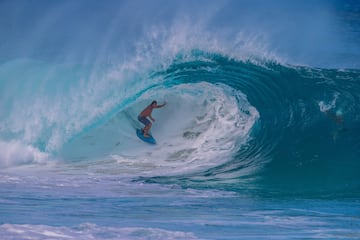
point(144, 120)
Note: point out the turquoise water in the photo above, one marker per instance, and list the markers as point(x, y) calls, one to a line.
point(259, 138)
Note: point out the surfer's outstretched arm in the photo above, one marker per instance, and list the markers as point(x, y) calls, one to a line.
point(161, 105)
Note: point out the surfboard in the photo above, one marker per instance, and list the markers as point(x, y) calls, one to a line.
point(150, 139)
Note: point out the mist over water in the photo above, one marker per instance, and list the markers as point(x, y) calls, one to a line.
point(317, 34)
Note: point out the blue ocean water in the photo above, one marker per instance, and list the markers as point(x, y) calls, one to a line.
point(259, 138)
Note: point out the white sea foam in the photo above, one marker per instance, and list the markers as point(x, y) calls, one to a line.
point(14, 153)
point(88, 231)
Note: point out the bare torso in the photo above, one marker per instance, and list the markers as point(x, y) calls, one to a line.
point(147, 111)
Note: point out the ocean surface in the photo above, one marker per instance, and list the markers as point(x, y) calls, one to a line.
point(260, 137)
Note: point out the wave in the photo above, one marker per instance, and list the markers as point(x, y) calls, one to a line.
point(305, 139)
point(247, 108)
point(229, 123)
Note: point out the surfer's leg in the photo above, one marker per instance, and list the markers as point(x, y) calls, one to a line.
point(146, 129)
point(147, 124)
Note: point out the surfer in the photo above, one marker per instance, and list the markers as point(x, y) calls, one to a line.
point(147, 113)
point(338, 118)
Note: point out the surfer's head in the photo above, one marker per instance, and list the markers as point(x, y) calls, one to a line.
point(153, 103)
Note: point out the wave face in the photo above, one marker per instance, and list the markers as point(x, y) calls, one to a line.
point(229, 123)
point(246, 110)
point(305, 135)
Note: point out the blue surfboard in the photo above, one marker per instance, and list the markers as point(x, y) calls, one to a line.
point(150, 139)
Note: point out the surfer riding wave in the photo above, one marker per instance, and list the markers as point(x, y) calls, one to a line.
point(147, 113)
